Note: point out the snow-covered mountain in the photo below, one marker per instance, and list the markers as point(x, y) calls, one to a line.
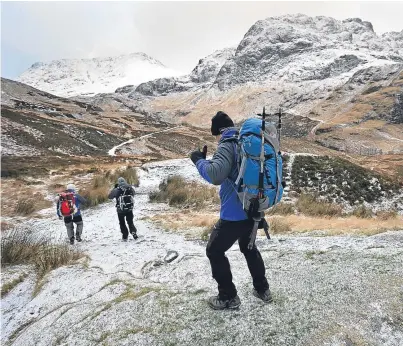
point(316, 67)
point(291, 49)
point(201, 77)
point(72, 77)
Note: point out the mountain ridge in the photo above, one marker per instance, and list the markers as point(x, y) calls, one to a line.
point(73, 77)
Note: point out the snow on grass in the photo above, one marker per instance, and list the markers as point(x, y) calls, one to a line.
point(326, 289)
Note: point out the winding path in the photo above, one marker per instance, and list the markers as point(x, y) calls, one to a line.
point(112, 151)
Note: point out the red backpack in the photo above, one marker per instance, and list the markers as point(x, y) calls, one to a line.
point(67, 204)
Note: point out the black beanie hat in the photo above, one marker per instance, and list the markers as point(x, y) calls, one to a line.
point(220, 121)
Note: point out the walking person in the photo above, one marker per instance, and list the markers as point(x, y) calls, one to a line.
point(123, 193)
point(68, 209)
point(234, 223)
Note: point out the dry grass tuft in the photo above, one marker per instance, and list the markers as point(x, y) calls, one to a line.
point(386, 215)
point(362, 212)
point(282, 209)
point(129, 174)
point(23, 247)
point(95, 194)
point(29, 204)
point(99, 187)
point(310, 205)
point(343, 225)
point(176, 191)
point(7, 287)
point(279, 225)
point(193, 225)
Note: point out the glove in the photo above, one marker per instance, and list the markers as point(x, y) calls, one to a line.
point(204, 152)
point(196, 156)
point(60, 217)
point(116, 186)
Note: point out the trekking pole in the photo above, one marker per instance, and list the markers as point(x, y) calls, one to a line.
point(257, 213)
point(261, 173)
point(279, 125)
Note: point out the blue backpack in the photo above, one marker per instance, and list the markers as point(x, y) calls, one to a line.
point(249, 163)
point(259, 182)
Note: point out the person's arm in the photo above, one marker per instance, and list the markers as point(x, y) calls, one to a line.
point(57, 208)
point(216, 170)
point(81, 199)
point(113, 194)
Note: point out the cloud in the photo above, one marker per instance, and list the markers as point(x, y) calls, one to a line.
point(54, 30)
point(176, 33)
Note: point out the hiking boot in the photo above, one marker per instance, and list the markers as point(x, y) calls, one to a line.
point(265, 295)
point(72, 241)
point(78, 238)
point(134, 234)
point(217, 303)
point(124, 239)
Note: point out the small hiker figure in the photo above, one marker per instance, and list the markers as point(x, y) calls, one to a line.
point(68, 209)
point(123, 192)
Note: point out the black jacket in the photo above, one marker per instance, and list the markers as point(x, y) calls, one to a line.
point(117, 192)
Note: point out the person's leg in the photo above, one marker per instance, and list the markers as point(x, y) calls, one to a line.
point(132, 228)
point(255, 264)
point(223, 236)
point(68, 222)
point(79, 227)
point(122, 225)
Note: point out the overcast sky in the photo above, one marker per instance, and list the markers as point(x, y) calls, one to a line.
point(176, 33)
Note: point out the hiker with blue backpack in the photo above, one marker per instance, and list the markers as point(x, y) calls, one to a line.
point(123, 193)
point(248, 166)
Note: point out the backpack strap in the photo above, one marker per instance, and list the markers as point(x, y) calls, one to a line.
point(253, 234)
point(241, 170)
point(278, 179)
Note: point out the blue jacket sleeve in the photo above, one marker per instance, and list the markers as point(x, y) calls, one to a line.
point(81, 199)
point(201, 166)
point(216, 170)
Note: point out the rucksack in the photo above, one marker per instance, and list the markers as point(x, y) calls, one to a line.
point(126, 200)
point(67, 204)
point(259, 182)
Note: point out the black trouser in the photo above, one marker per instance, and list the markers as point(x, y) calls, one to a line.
point(224, 235)
point(122, 223)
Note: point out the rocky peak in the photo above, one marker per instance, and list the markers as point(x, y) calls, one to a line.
point(298, 47)
point(203, 76)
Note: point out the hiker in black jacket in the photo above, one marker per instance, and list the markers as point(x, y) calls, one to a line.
point(123, 193)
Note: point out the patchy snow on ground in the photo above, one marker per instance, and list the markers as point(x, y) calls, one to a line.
point(340, 290)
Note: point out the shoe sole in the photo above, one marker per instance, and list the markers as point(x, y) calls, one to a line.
point(233, 307)
point(264, 301)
